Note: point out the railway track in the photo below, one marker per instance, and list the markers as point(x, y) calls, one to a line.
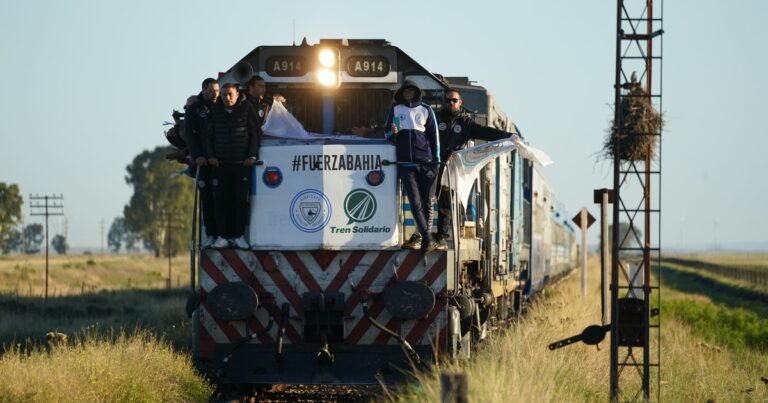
point(310, 394)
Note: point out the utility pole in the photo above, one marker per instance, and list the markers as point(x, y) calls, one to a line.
point(167, 218)
point(46, 206)
point(101, 237)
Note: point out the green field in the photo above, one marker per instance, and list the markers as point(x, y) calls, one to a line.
point(722, 310)
point(758, 261)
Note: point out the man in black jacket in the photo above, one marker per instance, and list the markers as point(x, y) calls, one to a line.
point(456, 128)
point(232, 147)
point(196, 121)
point(256, 94)
point(255, 89)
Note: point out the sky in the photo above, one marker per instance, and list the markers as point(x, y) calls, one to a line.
point(89, 83)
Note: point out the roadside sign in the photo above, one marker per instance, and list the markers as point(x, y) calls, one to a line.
point(590, 219)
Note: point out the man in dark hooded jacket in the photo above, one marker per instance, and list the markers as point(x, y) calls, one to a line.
point(456, 128)
point(232, 147)
point(196, 121)
point(412, 126)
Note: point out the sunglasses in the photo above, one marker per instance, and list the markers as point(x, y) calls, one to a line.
point(452, 100)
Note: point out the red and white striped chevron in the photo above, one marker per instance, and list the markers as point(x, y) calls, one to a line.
point(284, 276)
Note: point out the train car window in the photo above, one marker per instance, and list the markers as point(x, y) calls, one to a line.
point(361, 107)
point(476, 102)
point(527, 176)
point(355, 107)
point(304, 104)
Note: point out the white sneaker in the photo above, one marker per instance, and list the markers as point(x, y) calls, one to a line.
point(208, 242)
point(240, 243)
point(220, 243)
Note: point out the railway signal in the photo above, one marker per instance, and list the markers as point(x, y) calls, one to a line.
point(636, 172)
point(636, 152)
point(584, 220)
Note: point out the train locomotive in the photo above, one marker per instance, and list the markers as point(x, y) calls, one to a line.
point(326, 294)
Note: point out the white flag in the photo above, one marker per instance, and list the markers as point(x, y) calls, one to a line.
point(463, 166)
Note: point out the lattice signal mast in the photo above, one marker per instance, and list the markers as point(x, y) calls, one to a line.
point(635, 294)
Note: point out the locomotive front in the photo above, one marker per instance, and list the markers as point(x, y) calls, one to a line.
point(325, 294)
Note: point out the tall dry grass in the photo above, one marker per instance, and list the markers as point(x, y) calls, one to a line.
point(109, 292)
point(518, 367)
point(69, 275)
point(136, 368)
point(27, 320)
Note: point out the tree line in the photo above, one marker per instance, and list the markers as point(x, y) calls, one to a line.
point(156, 218)
point(15, 237)
point(158, 214)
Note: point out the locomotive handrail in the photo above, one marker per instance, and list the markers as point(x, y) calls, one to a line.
point(388, 162)
point(240, 162)
point(195, 244)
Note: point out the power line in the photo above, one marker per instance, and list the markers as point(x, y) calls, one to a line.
point(46, 206)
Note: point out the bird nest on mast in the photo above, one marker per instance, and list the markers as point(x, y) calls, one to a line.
point(641, 125)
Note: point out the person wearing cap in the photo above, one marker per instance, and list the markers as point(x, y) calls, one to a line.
point(177, 135)
point(456, 127)
point(196, 118)
point(412, 127)
point(232, 146)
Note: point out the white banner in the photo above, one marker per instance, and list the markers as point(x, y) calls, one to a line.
point(327, 197)
point(463, 166)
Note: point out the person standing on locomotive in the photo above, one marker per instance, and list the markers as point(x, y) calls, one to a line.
point(255, 89)
point(232, 146)
point(255, 93)
point(412, 127)
point(456, 128)
point(196, 121)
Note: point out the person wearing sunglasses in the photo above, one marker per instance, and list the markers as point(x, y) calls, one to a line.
point(456, 127)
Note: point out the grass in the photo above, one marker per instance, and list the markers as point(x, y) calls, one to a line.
point(109, 292)
point(750, 261)
point(26, 320)
point(695, 366)
point(713, 344)
point(718, 309)
point(68, 275)
point(125, 368)
point(736, 328)
point(685, 282)
point(92, 299)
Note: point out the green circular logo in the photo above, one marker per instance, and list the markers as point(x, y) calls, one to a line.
point(359, 206)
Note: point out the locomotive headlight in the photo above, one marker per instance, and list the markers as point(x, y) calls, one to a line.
point(327, 58)
point(327, 78)
point(327, 67)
